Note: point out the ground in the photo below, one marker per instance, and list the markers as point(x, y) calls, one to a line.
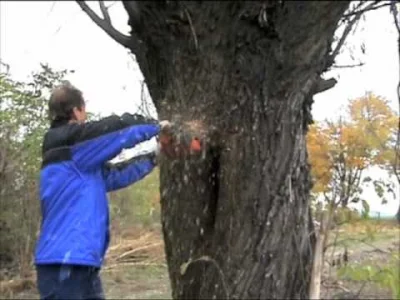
point(373, 265)
point(136, 269)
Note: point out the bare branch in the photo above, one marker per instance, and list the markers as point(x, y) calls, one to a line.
point(356, 17)
point(6, 66)
point(342, 39)
point(120, 38)
point(361, 11)
point(196, 44)
point(348, 66)
point(112, 4)
point(144, 105)
point(105, 13)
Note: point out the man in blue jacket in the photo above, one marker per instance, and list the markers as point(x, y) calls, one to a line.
point(74, 180)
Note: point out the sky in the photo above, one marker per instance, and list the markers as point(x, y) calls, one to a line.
point(60, 34)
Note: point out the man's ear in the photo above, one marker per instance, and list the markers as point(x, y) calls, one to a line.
point(75, 113)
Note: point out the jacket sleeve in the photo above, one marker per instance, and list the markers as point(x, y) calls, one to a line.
point(100, 141)
point(121, 175)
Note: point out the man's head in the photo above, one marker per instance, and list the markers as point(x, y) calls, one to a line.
point(66, 105)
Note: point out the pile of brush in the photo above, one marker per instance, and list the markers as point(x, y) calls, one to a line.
point(145, 250)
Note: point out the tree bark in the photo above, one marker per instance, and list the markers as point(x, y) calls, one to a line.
point(236, 220)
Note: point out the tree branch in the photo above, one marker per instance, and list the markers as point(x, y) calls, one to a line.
point(120, 38)
point(105, 13)
point(356, 17)
point(324, 85)
point(347, 66)
point(7, 67)
point(361, 11)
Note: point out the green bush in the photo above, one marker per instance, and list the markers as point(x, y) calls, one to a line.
point(387, 276)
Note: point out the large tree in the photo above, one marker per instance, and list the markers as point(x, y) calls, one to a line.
point(241, 76)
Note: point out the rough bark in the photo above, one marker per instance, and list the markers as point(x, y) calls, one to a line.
point(236, 221)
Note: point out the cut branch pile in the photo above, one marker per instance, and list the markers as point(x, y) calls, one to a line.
point(145, 250)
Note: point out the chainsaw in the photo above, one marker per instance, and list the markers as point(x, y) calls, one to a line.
point(178, 141)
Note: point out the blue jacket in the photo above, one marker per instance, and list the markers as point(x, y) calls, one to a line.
point(74, 182)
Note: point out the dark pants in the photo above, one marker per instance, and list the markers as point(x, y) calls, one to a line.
point(69, 282)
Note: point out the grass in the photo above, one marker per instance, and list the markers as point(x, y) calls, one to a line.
point(136, 210)
point(137, 273)
point(150, 282)
point(373, 268)
point(367, 231)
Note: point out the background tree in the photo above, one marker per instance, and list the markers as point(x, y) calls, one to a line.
point(384, 135)
point(341, 151)
point(240, 75)
point(381, 127)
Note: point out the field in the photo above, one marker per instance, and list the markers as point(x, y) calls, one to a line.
point(135, 267)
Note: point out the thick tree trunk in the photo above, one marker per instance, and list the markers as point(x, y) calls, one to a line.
point(236, 220)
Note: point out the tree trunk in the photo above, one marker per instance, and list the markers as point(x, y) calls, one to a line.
point(236, 220)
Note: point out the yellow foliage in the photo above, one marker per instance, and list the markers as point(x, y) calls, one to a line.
point(363, 138)
point(318, 148)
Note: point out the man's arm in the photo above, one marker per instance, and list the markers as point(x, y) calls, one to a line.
point(118, 176)
point(100, 141)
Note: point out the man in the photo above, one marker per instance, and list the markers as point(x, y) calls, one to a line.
point(74, 181)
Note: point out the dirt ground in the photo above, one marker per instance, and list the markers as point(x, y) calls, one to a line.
point(135, 269)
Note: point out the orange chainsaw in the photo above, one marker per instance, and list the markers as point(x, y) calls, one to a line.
point(175, 141)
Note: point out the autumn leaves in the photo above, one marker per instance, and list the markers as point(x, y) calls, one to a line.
point(340, 150)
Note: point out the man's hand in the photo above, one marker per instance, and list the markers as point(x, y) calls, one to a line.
point(165, 125)
point(165, 138)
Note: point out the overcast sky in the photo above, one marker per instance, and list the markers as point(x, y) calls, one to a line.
point(60, 34)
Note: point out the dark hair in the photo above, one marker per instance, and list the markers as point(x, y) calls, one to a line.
point(62, 101)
